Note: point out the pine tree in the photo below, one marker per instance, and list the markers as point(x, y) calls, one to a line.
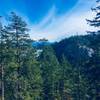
point(17, 31)
point(1, 63)
point(94, 63)
point(66, 79)
point(32, 74)
point(49, 72)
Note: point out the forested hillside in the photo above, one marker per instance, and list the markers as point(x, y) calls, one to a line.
point(65, 70)
point(82, 52)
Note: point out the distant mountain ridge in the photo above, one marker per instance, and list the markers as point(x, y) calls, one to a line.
point(76, 49)
point(39, 44)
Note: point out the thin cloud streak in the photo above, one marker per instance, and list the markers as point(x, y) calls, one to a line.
point(53, 27)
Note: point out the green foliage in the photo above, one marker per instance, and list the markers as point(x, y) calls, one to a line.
point(49, 72)
point(67, 70)
point(20, 70)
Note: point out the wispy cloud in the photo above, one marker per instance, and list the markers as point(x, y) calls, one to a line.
point(54, 27)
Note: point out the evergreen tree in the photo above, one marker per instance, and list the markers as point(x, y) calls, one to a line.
point(66, 79)
point(49, 72)
point(1, 63)
point(17, 33)
point(94, 63)
point(23, 79)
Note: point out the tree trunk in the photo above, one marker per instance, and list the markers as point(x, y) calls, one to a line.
point(2, 83)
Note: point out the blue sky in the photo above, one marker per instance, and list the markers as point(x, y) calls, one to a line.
point(51, 19)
